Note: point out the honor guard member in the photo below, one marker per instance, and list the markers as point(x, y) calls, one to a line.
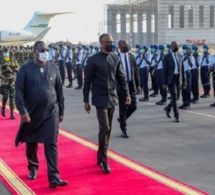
point(153, 67)
point(115, 49)
point(188, 61)
point(51, 54)
point(212, 70)
point(73, 63)
point(8, 69)
point(195, 75)
point(68, 60)
point(61, 61)
point(97, 49)
point(137, 53)
point(204, 66)
point(131, 71)
point(85, 58)
point(168, 48)
point(144, 73)
point(173, 78)
point(91, 50)
point(159, 71)
point(78, 67)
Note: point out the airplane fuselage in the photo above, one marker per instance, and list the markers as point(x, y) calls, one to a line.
point(35, 30)
point(15, 36)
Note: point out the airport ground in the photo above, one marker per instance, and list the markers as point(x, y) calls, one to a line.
point(184, 151)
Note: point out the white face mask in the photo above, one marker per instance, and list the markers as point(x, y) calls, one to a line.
point(43, 57)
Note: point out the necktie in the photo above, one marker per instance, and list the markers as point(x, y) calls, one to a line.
point(126, 67)
point(177, 62)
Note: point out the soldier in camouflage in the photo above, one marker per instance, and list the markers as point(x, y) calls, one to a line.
point(8, 69)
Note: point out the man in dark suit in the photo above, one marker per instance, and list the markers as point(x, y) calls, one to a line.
point(173, 75)
point(102, 71)
point(133, 79)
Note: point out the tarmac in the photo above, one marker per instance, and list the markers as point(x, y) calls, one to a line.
point(184, 151)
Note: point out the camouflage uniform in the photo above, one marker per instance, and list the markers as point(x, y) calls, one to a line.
point(21, 56)
point(8, 70)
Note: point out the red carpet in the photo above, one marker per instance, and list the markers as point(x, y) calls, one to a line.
point(77, 165)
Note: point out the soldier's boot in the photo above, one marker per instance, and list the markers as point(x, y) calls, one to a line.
point(12, 115)
point(3, 113)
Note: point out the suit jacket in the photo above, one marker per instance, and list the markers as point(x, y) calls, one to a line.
point(135, 76)
point(102, 71)
point(169, 69)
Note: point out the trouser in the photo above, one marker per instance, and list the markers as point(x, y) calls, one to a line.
point(205, 80)
point(105, 116)
point(51, 155)
point(174, 92)
point(125, 111)
point(163, 93)
point(195, 83)
point(144, 76)
point(8, 91)
point(214, 83)
point(154, 80)
point(79, 74)
point(62, 70)
point(69, 71)
point(186, 93)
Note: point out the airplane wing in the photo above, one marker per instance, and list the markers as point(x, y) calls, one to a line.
point(42, 34)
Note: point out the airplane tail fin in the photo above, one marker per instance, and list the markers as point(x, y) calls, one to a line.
point(42, 34)
point(40, 21)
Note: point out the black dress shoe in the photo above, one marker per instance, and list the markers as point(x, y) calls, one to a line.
point(181, 107)
point(3, 111)
point(118, 119)
point(57, 183)
point(32, 174)
point(69, 86)
point(124, 134)
point(204, 96)
point(105, 167)
point(12, 116)
point(186, 107)
point(78, 88)
point(144, 99)
point(194, 101)
point(169, 98)
point(167, 112)
point(153, 95)
point(212, 105)
point(161, 103)
point(177, 119)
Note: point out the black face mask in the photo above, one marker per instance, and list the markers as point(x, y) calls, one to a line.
point(175, 49)
point(109, 48)
point(125, 48)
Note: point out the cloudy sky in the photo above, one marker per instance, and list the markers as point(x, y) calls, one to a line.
point(82, 25)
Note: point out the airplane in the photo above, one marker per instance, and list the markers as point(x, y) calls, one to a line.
point(35, 30)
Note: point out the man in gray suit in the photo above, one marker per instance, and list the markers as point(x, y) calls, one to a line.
point(102, 71)
point(173, 75)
